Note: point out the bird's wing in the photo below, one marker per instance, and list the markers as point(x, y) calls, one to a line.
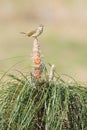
point(31, 33)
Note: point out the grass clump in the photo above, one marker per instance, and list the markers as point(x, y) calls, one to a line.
point(30, 104)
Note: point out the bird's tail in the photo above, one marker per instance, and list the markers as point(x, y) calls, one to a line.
point(22, 32)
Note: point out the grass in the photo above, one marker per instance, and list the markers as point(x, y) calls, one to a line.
point(30, 104)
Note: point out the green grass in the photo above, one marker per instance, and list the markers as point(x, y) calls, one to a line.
point(30, 104)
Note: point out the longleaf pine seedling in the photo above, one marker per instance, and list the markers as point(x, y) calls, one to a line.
point(41, 100)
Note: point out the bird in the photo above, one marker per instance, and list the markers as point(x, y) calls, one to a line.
point(34, 33)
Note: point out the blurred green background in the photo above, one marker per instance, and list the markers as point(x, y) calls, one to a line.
point(63, 42)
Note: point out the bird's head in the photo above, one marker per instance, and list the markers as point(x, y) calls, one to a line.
point(41, 27)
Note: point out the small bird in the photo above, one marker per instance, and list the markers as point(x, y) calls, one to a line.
point(34, 33)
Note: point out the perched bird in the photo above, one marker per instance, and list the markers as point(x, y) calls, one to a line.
point(34, 33)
